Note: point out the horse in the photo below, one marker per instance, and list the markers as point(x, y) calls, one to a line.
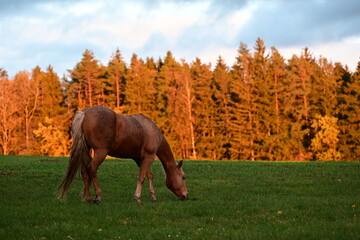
point(104, 132)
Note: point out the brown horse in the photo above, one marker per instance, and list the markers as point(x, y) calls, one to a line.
point(108, 133)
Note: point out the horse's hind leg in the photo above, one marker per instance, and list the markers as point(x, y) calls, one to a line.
point(150, 176)
point(85, 172)
point(99, 157)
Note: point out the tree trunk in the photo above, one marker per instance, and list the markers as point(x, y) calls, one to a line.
point(117, 82)
point(90, 92)
point(189, 101)
point(276, 104)
point(27, 128)
point(303, 81)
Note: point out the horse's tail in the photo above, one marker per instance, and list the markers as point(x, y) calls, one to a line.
point(79, 155)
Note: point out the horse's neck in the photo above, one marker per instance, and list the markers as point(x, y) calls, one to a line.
point(166, 157)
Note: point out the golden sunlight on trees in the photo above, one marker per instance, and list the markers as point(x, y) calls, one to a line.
point(263, 107)
point(9, 116)
point(53, 141)
point(116, 73)
point(324, 144)
point(87, 81)
point(27, 95)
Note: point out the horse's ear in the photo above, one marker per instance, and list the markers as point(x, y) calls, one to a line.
point(180, 164)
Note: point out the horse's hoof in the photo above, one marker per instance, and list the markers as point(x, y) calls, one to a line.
point(96, 201)
point(153, 199)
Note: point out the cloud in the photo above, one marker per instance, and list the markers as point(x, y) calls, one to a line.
point(335, 51)
point(42, 32)
point(286, 23)
point(24, 7)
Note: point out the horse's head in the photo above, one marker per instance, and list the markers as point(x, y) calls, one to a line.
point(176, 182)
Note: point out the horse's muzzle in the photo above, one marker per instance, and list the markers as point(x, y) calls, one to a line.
point(184, 197)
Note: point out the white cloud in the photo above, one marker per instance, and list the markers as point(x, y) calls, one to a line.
point(341, 51)
point(130, 24)
point(57, 32)
point(336, 51)
point(237, 20)
point(84, 8)
point(212, 53)
point(169, 19)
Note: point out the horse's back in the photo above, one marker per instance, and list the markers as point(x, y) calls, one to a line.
point(99, 126)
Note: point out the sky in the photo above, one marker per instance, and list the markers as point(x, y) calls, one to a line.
point(57, 32)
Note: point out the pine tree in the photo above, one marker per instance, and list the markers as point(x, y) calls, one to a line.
point(322, 96)
point(204, 118)
point(222, 95)
point(152, 71)
point(352, 130)
point(277, 143)
point(264, 110)
point(243, 107)
point(175, 94)
point(184, 107)
point(51, 98)
point(252, 104)
point(87, 83)
point(168, 71)
point(343, 79)
point(115, 78)
point(301, 71)
point(140, 91)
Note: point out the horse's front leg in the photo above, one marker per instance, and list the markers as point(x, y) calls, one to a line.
point(144, 169)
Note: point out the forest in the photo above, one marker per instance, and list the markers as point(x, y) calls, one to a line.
point(263, 107)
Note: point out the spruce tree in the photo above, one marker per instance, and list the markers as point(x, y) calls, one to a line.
point(243, 107)
point(301, 70)
point(175, 94)
point(115, 79)
point(323, 99)
point(343, 79)
point(87, 87)
point(263, 103)
point(222, 97)
point(51, 99)
point(277, 143)
point(352, 113)
point(140, 89)
point(207, 142)
point(168, 71)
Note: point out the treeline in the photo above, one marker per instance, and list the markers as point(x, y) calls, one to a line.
point(262, 108)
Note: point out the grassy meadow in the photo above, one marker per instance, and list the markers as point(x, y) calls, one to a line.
point(228, 200)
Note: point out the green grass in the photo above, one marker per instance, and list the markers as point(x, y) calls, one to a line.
point(228, 200)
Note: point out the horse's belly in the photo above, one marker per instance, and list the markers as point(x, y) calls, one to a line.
point(126, 150)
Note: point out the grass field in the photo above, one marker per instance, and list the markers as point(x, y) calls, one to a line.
point(228, 200)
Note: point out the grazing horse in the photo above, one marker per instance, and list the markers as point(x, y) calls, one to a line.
point(108, 133)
